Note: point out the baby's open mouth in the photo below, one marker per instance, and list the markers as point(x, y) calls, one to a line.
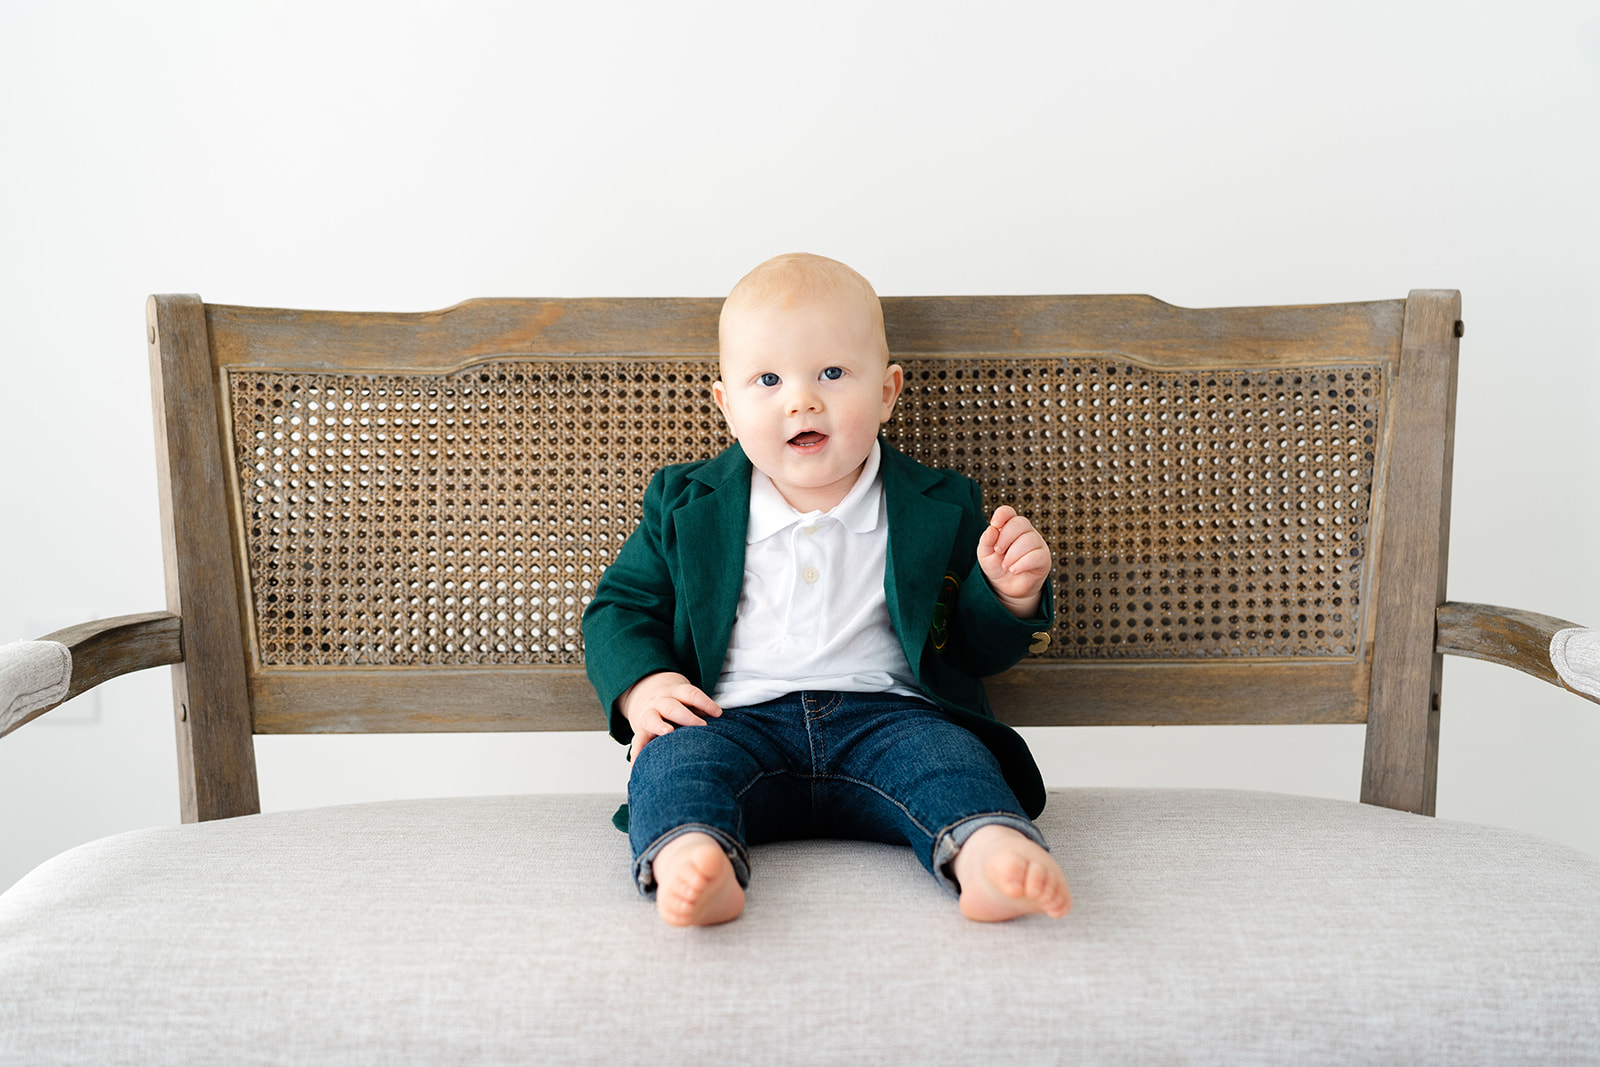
point(808, 439)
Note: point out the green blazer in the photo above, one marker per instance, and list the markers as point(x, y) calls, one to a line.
point(668, 601)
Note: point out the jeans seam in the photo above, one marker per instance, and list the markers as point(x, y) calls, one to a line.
point(982, 815)
point(757, 780)
point(1011, 818)
point(833, 703)
point(816, 749)
point(869, 786)
point(815, 746)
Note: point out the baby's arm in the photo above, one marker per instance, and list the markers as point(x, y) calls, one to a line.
point(1016, 561)
point(658, 703)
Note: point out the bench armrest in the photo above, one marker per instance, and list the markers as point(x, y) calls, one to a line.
point(36, 676)
point(1551, 649)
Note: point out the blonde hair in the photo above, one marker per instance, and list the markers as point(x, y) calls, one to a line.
point(795, 277)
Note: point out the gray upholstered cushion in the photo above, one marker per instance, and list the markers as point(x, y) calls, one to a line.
point(1208, 927)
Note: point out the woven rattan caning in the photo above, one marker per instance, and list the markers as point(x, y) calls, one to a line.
point(463, 518)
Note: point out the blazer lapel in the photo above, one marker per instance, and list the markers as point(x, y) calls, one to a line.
point(710, 547)
point(921, 531)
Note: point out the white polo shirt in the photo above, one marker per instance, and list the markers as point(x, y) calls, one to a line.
point(812, 612)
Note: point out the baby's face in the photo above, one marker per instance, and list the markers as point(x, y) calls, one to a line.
point(804, 389)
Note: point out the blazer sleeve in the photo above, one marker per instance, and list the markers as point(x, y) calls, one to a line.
point(627, 627)
point(991, 638)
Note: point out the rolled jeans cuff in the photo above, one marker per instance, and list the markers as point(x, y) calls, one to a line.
point(644, 867)
point(948, 842)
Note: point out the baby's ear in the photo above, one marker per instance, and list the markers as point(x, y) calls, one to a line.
point(894, 379)
point(719, 393)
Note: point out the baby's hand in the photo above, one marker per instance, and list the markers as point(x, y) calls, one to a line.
point(656, 702)
point(1016, 561)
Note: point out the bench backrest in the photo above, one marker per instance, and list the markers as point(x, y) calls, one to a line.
point(393, 522)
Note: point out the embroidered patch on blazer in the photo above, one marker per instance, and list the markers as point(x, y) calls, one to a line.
point(943, 609)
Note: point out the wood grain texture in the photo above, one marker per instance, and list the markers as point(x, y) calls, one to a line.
point(426, 700)
point(1138, 327)
point(216, 755)
point(1402, 749)
point(1146, 329)
point(1172, 694)
point(106, 648)
point(483, 699)
point(1507, 636)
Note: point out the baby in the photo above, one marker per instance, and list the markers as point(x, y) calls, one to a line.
point(792, 638)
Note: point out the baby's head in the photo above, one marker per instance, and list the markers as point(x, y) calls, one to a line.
point(797, 277)
point(806, 378)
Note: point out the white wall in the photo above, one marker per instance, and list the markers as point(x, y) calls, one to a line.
point(407, 155)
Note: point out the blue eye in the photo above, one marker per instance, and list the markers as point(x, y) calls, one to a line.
point(769, 379)
point(833, 374)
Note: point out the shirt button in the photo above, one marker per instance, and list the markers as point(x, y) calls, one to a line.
point(811, 574)
point(810, 529)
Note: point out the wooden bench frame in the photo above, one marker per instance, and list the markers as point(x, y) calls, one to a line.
point(222, 697)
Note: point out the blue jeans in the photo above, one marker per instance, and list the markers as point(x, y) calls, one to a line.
point(863, 766)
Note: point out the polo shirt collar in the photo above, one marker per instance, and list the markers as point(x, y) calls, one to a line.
point(858, 511)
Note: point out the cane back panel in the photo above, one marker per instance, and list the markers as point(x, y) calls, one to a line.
point(1207, 503)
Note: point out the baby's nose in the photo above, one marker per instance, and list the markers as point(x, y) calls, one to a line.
point(804, 399)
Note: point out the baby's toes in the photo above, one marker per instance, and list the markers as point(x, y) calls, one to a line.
point(1038, 882)
point(1010, 874)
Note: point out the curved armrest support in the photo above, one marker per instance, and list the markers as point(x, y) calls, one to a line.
point(36, 676)
point(1551, 649)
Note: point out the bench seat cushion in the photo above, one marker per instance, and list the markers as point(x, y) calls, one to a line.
point(1208, 926)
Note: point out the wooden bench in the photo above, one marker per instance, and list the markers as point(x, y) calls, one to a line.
point(392, 523)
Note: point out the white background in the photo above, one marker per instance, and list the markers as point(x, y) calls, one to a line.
point(406, 155)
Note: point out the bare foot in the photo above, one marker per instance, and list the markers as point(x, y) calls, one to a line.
point(1003, 874)
point(695, 883)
